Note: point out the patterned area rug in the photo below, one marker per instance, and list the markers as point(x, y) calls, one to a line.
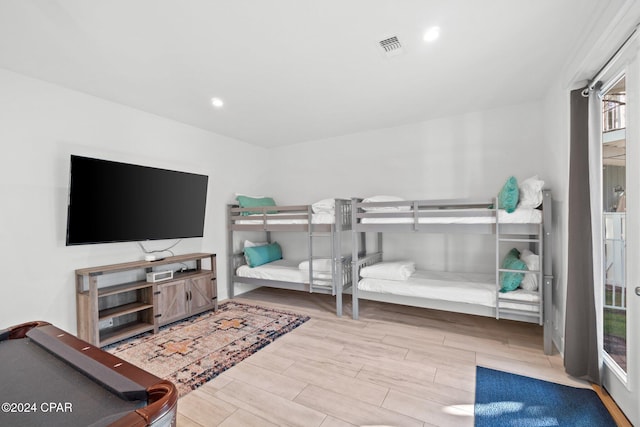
point(193, 351)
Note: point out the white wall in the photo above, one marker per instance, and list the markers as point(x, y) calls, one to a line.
point(40, 126)
point(467, 156)
point(461, 156)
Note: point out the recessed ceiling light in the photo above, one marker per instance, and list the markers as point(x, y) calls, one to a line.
point(432, 34)
point(217, 102)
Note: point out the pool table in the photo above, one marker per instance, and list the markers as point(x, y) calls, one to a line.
point(49, 377)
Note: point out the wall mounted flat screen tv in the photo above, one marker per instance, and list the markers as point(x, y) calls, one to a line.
point(119, 202)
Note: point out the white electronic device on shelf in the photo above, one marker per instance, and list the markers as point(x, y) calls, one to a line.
point(153, 257)
point(159, 276)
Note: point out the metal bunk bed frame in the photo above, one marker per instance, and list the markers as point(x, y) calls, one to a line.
point(538, 236)
point(303, 214)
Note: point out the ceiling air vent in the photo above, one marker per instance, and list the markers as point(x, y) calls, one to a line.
point(391, 46)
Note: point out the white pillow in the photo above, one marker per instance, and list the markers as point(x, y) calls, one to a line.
point(249, 244)
point(320, 264)
point(324, 205)
point(530, 280)
point(398, 270)
point(374, 199)
point(531, 192)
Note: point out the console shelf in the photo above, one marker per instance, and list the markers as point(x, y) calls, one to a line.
point(121, 310)
point(116, 289)
point(110, 312)
point(119, 333)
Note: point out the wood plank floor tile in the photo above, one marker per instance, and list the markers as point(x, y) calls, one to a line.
point(496, 348)
point(374, 350)
point(352, 410)
point(432, 349)
point(454, 415)
point(399, 331)
point(556, 361)
point(184, 421)
point(345, 368)
point(204, 408)
point(409, 384)
point(334, 422)
point(304, 343)
point(348, 386)
point(395, 366)
point(270, 360)
point(347, 339)
point(269, 406)
point(420, 372)
point(349, 327)
point(313, 328)
point(244, 419)
point(216, 383)
point(462, 378)
point(267, 380)
point(442, 357)
point(525, 342)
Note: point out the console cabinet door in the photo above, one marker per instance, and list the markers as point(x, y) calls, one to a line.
point(172, 301)
point(201, 293)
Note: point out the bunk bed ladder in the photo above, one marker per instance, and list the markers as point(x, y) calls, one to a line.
point(498, 263)
point(316, 281)
point(230, 262)
point(536, 240)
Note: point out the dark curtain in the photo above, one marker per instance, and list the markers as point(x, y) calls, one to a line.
point(581, 352)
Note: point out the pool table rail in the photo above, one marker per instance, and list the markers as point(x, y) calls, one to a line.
point(120, 377)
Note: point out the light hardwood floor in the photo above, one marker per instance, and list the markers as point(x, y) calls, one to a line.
point(396, 366)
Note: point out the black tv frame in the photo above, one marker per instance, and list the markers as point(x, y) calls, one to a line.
point(111, 202)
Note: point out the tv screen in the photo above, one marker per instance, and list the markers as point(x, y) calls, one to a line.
point(118, 202)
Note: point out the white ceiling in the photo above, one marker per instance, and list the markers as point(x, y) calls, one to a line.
point(297, 70)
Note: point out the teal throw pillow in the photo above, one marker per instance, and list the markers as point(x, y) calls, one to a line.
point(258, 255)
point(509, 281)
point(253, 202)
point(509, 195)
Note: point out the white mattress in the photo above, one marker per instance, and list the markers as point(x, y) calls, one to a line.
point(519, 216)
point(283, 270)
point(471, 288)
point(317, 218)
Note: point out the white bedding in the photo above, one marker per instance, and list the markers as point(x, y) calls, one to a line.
point(472, 288)
point(519, 216)
point(283, 270)
point(317, 218)
point(397, 270)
